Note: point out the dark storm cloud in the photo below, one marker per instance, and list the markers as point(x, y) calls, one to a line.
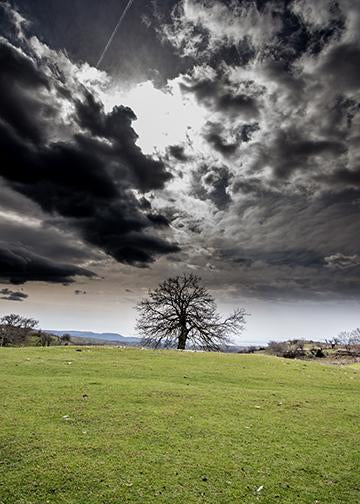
point(35, 237)
point(211, 183)
point(10, 295)
point(247, 131)
point(294, 166)
point(19, 265)
point(48, 240)
point(87, 179)
point(215, 95)
point(293, 150)
point(214, 135)
point(290, 258)
point(178, 152)
point(268, 200)
point(20, 107)
point(158, 220)
point(341, 66)
point(341, 177)
point(12, 201)
point(289, 241)
point(147, 173)
point(284, 75)
point(218, 143)
point(144, 203)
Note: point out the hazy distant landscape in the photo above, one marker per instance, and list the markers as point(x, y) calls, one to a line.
point(105, 337)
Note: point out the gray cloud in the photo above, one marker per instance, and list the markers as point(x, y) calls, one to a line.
point(214, 94)
point(19, 265)
point(214, 134)
point(266, 200)
point(286, 136)
point(211, 183)
point(291, 150)
point(178, 152)
point(340, 261)
point(10, 295)
point(94, 171)
point(340, 65)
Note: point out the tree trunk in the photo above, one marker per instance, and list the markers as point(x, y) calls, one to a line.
point(182, 339)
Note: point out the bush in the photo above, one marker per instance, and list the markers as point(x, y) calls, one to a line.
point(277, 347)
point(291, 349)
point(318, 352)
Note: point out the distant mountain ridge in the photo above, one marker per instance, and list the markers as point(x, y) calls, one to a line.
point(107, 336)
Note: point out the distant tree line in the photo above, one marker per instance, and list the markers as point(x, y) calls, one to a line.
point(16, 330)
point(350, 340)
point(347, 343)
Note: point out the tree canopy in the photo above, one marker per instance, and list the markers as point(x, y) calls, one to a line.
point(14, 329)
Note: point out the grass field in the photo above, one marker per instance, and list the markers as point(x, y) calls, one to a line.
point(114, 426)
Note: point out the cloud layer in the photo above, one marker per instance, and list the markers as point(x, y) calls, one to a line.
point(280, 84)
point(11, 295)
point(80, 165)
point(258, 186)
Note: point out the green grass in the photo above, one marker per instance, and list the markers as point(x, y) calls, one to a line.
point(177, 428)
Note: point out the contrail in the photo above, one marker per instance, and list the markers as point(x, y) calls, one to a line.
point(129, 4)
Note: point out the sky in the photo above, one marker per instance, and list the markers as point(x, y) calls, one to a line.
point(215, 137)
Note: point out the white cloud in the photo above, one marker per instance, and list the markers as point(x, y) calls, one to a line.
point(341, 261)
point(224, 25)
point(317, 14)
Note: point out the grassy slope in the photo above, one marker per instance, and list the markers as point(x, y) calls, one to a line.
point(177, 428)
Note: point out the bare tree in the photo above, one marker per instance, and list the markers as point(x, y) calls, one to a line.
point(181, 311)
point(332, 342)
point(14, 329)
point(349, 339)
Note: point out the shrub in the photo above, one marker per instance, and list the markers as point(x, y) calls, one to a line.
point(291, 349)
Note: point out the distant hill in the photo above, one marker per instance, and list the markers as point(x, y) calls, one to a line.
point(111, 337)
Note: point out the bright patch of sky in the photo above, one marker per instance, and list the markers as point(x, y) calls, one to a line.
point(164, 116)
